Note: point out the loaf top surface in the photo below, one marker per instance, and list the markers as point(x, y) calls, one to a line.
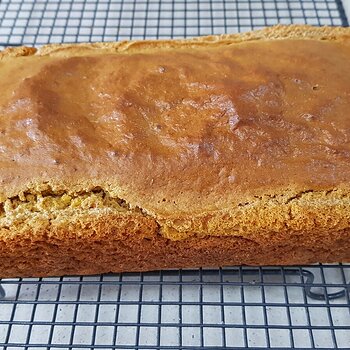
point(179, 127)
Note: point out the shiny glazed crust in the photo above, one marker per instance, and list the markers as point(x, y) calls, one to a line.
point(275, 229)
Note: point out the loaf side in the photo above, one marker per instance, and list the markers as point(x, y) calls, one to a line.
point(230, 149)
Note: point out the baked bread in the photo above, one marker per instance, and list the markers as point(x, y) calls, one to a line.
point(132, 156)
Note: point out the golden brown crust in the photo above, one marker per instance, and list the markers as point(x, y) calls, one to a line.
point(109, 245)
point(277, 32)
point(143, 204)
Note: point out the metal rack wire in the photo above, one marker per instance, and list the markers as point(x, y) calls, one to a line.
point(303, 307)
point(269, 307)
point(39, 22)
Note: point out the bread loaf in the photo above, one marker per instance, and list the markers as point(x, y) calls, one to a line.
point(144, 155)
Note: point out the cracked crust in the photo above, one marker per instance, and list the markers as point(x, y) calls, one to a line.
point(55, 228)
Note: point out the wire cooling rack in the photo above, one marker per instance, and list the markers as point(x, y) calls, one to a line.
point(39, 22)
point(269, 307)
point(299, 307)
